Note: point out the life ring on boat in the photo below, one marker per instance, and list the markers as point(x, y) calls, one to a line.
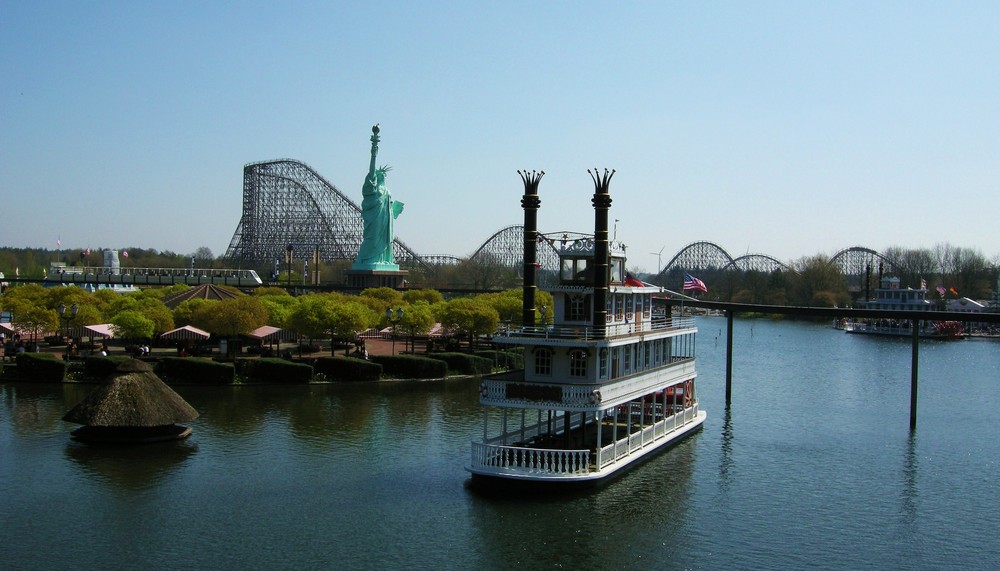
point(595, 397)
point(688, 393)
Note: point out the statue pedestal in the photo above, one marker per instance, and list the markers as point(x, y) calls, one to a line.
point(363, 279)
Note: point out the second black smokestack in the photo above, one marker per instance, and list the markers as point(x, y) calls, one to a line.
point(602, 249)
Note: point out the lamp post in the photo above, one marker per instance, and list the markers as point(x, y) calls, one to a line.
point(73, 310)
point(394, 318)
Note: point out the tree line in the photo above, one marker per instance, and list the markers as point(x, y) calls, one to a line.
point(37, 311)
point(817, 281)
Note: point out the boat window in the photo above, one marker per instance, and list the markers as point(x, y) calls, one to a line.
point(617, 270)
point(578, 308)
point(575, 270)
point(604, 363)
point(543, 362)
point(578, 364)
point(628, 359)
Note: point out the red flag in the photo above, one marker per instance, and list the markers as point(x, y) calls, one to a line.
point(632, 282)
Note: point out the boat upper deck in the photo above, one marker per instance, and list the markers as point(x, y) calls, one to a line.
point(587, 333)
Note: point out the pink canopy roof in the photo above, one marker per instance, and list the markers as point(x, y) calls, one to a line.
point(185, 333)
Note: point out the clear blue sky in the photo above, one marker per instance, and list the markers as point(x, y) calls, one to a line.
point(783, 128)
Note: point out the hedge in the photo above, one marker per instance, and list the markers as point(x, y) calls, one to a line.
point(98, 368)
point(44, 367)
point(271, 370)
point(195, 370)
point(411, 366)
point(465, 363)
point(347, 369)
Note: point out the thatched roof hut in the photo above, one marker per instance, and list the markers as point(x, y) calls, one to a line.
point(133, 405)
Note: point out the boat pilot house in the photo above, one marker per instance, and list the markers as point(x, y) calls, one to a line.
point(609, 381)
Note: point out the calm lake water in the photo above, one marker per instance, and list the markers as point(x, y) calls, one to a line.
point(813, 467)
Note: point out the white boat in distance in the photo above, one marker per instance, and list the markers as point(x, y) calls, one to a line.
point(891, 296)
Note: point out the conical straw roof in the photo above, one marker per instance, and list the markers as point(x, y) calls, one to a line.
point(132, 396)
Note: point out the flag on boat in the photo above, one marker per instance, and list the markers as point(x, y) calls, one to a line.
point(953, 290)
point(87, 252)
point(923, 283)
point(941, 291)
point(124, 253)
point(58, 242)
point(631, 281)
point(693, 283)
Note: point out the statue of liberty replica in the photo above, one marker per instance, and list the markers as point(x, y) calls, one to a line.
point(374, 265)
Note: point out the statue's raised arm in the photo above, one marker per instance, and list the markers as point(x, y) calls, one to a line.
point(375, 140)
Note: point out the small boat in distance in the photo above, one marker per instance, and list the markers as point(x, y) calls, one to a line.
point(891, 296)
point(605, 385)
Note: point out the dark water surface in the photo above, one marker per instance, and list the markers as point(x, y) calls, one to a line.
point(814, 467)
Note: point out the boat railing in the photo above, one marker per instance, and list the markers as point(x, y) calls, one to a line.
point(530, 460)
point(649, 435)
point(588, 332)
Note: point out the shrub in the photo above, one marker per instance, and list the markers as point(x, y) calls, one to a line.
point(98, 368)
point(196, 371)
point(465, 363)
point(411, 366)
point(274, 371)
point(347, 369)
point(44, 367)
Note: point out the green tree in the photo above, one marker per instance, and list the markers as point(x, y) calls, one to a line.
point(132, 325)
point(236, 316)
point(388, 296)
point(472, 317)
point(819, 283)
point(184, 313)
point(347, 319)
point(312, 315)
point(431, 296)
point(155, 311)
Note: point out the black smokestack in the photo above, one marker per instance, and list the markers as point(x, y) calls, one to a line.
point(530, 202)
point(602, 249)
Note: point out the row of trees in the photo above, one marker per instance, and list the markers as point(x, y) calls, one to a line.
point(818, 282)
point(143, 315)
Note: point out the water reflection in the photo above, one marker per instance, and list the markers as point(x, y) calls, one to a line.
point(130, 467)
point(726, 461)
point(595, 528)
point(910, 493)
point(34, 408)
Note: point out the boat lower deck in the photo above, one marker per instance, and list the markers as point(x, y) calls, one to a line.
point(576, 449)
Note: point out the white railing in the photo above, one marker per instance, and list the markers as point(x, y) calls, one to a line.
point(648, 436)
point(587, 332)
point(530, 460)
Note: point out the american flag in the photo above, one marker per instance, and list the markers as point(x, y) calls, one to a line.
point(693, 283)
